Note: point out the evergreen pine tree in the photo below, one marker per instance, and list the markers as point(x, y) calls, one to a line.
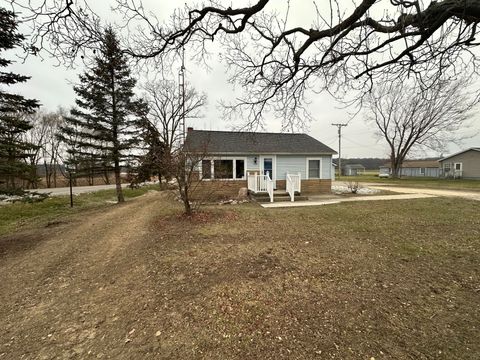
point(13, 149)
point(107, 114)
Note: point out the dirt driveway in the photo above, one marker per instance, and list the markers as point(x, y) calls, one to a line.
point(63, 288)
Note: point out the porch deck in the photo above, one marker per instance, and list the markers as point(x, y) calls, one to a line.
point(263, 184)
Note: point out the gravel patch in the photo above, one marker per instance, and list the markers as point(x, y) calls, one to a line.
point(340, 189)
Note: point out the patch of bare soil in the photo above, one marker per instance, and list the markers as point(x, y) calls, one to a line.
point(140, 282)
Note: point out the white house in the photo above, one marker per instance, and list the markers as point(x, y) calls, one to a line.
point(290, 162)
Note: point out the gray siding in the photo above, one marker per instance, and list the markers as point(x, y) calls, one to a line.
point(428, 172)
point(298, 164)
point(326, 167)
point(470, 163)
point(290, 164)
point(251, 163)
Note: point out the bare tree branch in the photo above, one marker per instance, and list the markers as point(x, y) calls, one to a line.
point(166, 111)
point(279, 66)
point(409, 117)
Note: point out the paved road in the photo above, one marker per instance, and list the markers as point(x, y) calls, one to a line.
point(76, 189)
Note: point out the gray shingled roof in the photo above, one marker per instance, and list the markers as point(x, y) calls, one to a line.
point(231, 142)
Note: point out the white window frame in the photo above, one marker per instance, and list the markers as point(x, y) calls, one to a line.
point(234, 159)
point(455, 166)
point(320, 168)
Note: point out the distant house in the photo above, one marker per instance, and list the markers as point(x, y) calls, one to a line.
point(261, 162)
point(353, 169)
point(415, 168)
point(464, 164)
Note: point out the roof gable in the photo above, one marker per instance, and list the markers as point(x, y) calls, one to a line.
point(461, 152)
point(230, 142)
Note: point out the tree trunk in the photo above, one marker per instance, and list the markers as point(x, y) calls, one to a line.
point(186, 200)
point(396, 166)
point(55, 174)
point(106, 175)
point(47, 176)
point(33, 181)
point(118, 181)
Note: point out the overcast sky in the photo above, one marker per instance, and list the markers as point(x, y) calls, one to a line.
point(52, 85)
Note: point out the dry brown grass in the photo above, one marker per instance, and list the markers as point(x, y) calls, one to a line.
point(391, 280)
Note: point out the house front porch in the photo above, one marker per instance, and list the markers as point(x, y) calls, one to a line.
point(292, 186)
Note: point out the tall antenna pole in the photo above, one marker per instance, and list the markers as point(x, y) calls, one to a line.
point(181, 76)
point(339, 147)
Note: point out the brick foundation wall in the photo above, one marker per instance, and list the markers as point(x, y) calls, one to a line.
point(282, 184)
point(316, 186)
point(310, 187)
point(217, 189)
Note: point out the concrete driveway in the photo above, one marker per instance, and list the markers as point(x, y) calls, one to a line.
point(76, 189)
point(404, 193)
point(471, 195)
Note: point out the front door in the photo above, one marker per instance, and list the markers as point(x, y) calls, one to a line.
point(268, 167)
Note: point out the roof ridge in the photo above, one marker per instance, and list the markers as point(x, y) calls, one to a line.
point(249, 132)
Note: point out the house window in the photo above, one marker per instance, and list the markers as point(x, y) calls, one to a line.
point(239, 169)
point(446, 167)
point(458, 166)
point(314, 169)
point(223, 169)
point(422, 171)
point(206, 169)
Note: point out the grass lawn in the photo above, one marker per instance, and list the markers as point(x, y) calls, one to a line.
point(387, 280)
point(434, 183)
point(18, 216)
point(392, 280)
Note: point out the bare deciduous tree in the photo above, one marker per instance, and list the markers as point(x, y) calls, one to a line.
point(183, 166)
point(36, 135)
point(166, 109)
point(276, 62)
point(408, 116)
point(51, 147)
point(48, 147)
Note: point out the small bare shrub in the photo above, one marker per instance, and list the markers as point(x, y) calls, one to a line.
point(352, 186)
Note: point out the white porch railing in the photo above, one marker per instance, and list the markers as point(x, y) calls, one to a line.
point(260, 183)
point(269, 187)
point(293, 183)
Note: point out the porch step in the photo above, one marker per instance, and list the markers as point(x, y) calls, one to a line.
point(277, 197)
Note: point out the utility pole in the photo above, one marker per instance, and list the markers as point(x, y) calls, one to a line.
point(181, 81)
point(339, 147)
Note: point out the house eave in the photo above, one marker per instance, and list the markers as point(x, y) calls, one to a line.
point(459, 153)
